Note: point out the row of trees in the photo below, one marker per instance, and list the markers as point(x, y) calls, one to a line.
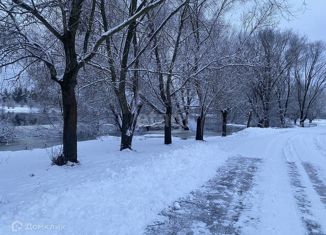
point(175, 57)
point(16, 96)
point(288, 76)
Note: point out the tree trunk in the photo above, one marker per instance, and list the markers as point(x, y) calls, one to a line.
point(69, 122)
point(282, 116)
point(224, 121)
point(282, 120)
point(249, 119)
point(302, 119)
point(302, 123)
point(265, 123)
point(200, 128)
point(261, 123)
point(185, 124)
point(168, 125)
point(128, 126)
point(281, 110)
point(126, 131)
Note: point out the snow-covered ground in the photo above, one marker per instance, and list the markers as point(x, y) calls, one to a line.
point(113, 192)
point(19, 109)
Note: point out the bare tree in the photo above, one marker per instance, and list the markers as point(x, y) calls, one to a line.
point(125, 73)
point(271, 82)
point(50, 32)
point(310, 77)
point(165, 55)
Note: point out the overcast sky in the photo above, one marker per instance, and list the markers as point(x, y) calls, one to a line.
point(309, 19)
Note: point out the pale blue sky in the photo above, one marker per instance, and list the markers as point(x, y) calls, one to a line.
point(309, 19)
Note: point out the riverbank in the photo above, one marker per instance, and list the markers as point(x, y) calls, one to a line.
point(45, 136)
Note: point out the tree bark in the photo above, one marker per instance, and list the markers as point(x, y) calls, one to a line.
point(69, 122)
point(224, 122)
point(168, 125)
point(302, 119)
point(282, 120)
point(265, 120)
point(128, 126)
point(301, 123)
point(126, 131)
point(200, 128)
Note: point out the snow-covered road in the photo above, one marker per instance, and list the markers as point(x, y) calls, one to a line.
point(288, 197)
point(281, 190)
point(257, 181)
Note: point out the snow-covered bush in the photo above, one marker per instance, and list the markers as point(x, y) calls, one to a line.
point(56, 155)
point(7, 131)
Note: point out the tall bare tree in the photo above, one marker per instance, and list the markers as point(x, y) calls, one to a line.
point(50, 32)
point(310, 77)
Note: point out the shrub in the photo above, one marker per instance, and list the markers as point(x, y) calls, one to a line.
point(7, 131)
point(56, 156)
point(58, 160)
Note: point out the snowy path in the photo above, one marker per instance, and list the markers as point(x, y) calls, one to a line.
point(285, 193)
point(216, 207)
point(254, 182)
point(317, 182)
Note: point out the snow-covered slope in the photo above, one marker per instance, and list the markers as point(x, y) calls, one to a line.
point(110, 192)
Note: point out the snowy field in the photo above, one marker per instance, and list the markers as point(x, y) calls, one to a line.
point(257, 181)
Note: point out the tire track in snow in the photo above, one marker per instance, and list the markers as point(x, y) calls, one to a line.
point(318, 184)
point(216, 207)
point(304, 205)
point(320, 145)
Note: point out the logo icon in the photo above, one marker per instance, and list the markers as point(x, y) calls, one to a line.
point(16, 226)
